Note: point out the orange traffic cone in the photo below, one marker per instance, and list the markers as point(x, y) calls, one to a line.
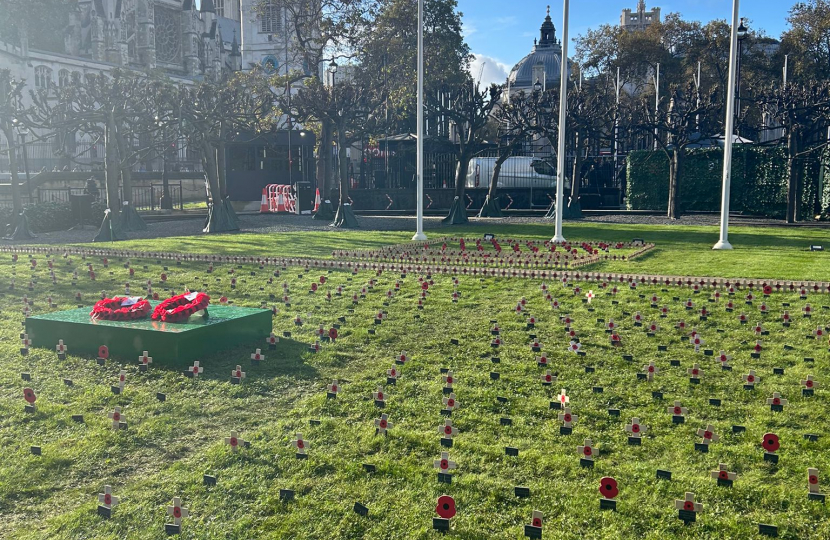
point(317, 201)
point(280, 203)
point(263, 204)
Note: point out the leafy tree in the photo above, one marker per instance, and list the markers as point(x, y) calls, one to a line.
point(389, 49)
point(806, 41)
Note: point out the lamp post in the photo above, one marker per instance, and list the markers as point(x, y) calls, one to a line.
point(742, 33)
point(723, 242)
point(419, 143)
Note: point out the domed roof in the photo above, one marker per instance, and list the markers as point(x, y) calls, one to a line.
point(547, 51)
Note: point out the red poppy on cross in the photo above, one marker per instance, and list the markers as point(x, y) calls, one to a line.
point(300, 444)
point(447, 431)
point(444, 464)
point(750, 379)
point(382, 424)
point(677, 409)
point(107, 499)
point(651, 370)
point(196, 369)
point(708, 434)
point(115, 416)
point(813, 481)
point(635, 429)
point(587, 449)
point(722, 473)
point(688, 503)
point(234, 441)
point(776, 399)
point(567, 418)
point(177, 511)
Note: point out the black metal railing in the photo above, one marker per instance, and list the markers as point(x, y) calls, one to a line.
point(143, 197)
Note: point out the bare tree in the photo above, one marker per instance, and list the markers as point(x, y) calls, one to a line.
point(11, 96)
point(467, 107)
point(690, 118)
point(803, 112)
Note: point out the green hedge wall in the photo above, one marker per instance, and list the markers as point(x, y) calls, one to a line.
point(759, 181)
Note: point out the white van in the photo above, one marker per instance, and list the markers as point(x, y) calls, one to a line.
point(516, 172)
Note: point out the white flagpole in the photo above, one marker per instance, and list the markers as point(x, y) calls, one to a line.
point(419, 151)
point(723, 242)
point(563, 108)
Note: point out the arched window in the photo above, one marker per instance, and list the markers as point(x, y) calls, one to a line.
point(64, 78)
point(270, 19)
point(43, 77)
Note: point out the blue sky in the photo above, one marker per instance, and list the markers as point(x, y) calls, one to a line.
point(501, 32)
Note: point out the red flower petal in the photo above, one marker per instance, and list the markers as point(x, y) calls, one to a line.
point(608, 487)
point(445, 507)
point(771, 442)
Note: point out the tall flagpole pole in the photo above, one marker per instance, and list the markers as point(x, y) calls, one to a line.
point(419, 149)
point(563, 109)
point(723, 242)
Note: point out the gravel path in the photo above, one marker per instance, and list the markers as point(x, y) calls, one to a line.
point(284, 223)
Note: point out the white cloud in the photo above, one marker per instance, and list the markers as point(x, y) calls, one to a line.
point(468, 29)
point(494, 71)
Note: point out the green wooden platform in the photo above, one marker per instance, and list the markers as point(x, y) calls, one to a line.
point(173, 344)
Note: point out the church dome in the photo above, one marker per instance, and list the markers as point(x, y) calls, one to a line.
point(543, 63)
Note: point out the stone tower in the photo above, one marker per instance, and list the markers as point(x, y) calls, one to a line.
point(146, 33)
point(641, 19)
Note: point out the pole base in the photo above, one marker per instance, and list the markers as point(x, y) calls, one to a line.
point(558, 239)
point(722, 244)
point(419, 236)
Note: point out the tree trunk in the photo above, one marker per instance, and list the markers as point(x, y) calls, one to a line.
point(345, 217)
point(17, 200)
point(130, 218)
point(458, 210)
point(221, 171)
point(19, 226)
point(491, 206)
point(218, 219)
point(573, 210)
point(326, 210)
point(675, 159)
point(110, 229)
point(793, 178)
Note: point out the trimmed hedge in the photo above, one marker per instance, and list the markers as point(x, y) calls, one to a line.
point(52, 216)
point(759, 181)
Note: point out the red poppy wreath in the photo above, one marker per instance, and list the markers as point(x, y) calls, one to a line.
point(180, 308)
point(120, 309)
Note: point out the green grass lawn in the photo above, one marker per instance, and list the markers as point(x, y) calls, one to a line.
point(760, 252)
point(169, 446)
